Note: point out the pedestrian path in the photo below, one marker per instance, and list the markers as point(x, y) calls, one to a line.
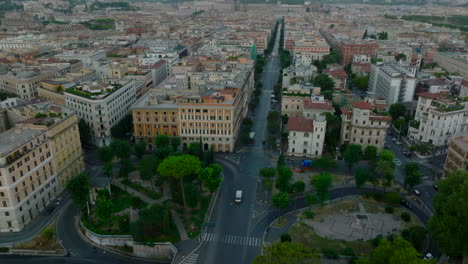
point(190, 259)
point(232, 239)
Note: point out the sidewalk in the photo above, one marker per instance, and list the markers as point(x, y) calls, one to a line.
point(33, 228)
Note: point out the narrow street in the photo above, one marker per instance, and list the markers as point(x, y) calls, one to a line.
point(234, 238)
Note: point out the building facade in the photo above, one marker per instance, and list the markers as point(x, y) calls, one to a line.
point(364, 123)
point(438, 119)
point(306, 136)
point(102, 106)
point(392, 82)
point(457, 155)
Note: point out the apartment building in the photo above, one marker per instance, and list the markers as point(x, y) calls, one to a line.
point(364, 123)
point(152, 116)
point(457, 155)
point(392, 82)
point(306, 136)
point(37, 156)
point(24, 81)
point(438, 118)
point(102, 105)
point(88, 57)
point(292, 100)
point(350, 48)
point(64, 137)
point(214, 116)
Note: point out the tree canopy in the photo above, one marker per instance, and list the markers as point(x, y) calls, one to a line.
point(283, 178)
point(397, 110)
point(451, 212)
point(352, 155)
point(78, 187)
point(395, 251)
point(280, 200)
point(412, 174)
point(324, 82)
point(322, 184)
point(324, 163)
point(362, 175)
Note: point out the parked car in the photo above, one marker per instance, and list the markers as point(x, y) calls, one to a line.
point(405, 204)
point(397, 162)
point(394, 139)
point(58, 201)
point(416, 192)
point(436, 187)
point(406, 153)
point(386, 146)
point(428, 256)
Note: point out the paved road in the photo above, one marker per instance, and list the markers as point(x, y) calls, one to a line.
point(233, 238)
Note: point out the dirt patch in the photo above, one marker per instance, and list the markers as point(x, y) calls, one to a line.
point(46, 240)
point(305, 235)
point(341, 207)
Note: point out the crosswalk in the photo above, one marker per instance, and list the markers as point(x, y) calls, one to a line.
point(232, 239)
point(190, 259)
point(425, 182)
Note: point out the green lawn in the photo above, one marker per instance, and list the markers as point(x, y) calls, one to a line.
point(122, 199)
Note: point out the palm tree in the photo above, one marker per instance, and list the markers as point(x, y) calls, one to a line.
point(385, 168)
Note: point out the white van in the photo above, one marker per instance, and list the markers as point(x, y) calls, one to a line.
point(238, 196)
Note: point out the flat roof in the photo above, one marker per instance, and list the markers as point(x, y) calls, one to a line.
point(15, 137)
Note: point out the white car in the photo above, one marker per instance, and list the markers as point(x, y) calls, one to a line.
point(397, 162)
point(428, 256)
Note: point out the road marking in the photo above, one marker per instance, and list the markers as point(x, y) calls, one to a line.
point(232, 239)
point(190, 259)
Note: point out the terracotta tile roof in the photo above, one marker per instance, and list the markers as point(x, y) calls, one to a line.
point(338, 73)
point(300, 123)
point(308, 104)
point(362, 105)
point(380, 117)
point(365, 66)
point(345, 112)
point(430, 95)
point(439, 81)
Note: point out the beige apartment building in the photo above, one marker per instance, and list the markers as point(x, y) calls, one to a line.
point(153, 116)
point(213, 117)
point(37, 156)
point(457, 155)
point(24, 82)
point(364, 123)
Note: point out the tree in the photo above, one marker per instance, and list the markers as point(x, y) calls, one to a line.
point(361, 176)
point(324, 163)
point(106, 156)
point(361, 82)
point(324, 82)
point(175, 142)
point(103, 209)
point(333, 129)
point(179, 167)
point(210, 177)
point(163, 152)
point(382, 35)
point(416, 235)
point(139, 149)
point(78, 188)
point(370, 153)
point(298, 187)
point(395, 251)
point(121, 148)
point(385, 168)
point(365, 35)
point(451, 210)
point(400, 56)
point(284, 253)
point(268, 172)
point(85, 132)
point(322, 184)
point(281, 161)
point(283, 178)
point(412, 174)
point(196, 149)
point(161, 141)
point(397, 110)
point(122, 128)
point(147, 167)
point(280, 200)
point(352, 155)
